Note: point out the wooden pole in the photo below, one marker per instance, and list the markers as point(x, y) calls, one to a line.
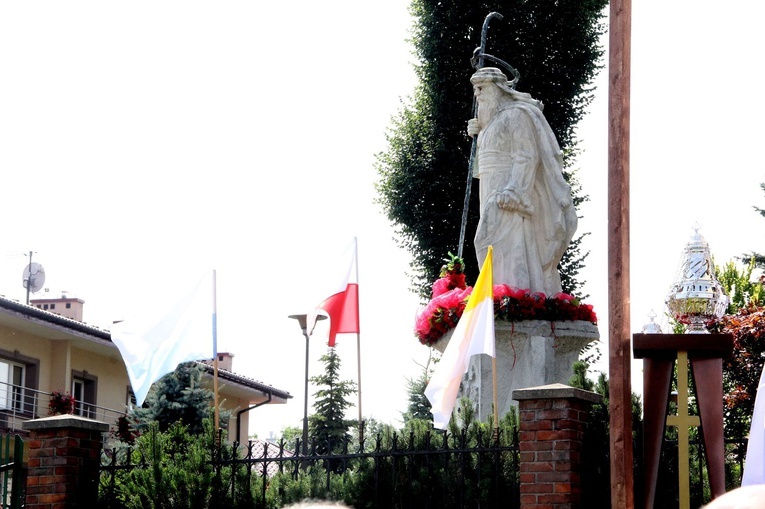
point(619, 351)
point(215, 354)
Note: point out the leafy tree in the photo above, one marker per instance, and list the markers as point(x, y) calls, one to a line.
point(290, 434)
point(739, 286)
point(742, 370)
point(328, 425)
point(757, 258)
point(422, 175)
point(177, 397)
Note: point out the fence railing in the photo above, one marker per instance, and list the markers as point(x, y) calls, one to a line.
point(428, 470)
point(19, 404)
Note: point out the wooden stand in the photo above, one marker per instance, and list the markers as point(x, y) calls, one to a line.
point(705, 353)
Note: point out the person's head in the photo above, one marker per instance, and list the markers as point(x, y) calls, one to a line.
point(317, 504)
point(745, 497)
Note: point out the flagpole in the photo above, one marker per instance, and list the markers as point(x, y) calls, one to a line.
point(495, 400)
point(358, 338)
point(215, 353)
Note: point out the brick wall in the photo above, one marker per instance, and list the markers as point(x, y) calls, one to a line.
point(64, 455)
point(552, 423)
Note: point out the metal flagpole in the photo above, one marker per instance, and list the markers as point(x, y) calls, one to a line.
point(358, 335)
point(215, 353)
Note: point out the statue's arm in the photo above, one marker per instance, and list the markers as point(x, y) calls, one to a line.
point(524, 160)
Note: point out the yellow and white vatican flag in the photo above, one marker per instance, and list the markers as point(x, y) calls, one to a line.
point(473, 335)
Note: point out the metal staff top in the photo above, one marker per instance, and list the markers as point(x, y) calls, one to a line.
point(477, 61)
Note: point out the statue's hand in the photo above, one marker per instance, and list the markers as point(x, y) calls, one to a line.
point(473, 128)
point(507, 200)
point(510, 199)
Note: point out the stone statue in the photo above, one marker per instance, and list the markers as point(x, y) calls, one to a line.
point(527, 212)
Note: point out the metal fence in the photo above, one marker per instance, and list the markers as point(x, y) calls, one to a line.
point(19, 404)
point(13, 477)
point(425, 470)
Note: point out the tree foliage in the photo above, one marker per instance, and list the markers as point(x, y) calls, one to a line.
point(739, 285)
point(419, 406)
point(178, 397)
point(423, 174)
point(757, 258)
point(328, 424)
point(742, 370)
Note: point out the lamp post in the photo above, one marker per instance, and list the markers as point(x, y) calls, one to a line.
point(302, 322)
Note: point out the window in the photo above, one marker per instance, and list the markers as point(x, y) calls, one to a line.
point(11, 386)
point(84, 392)
point(68, 305)
point(53, 306)
point(18, 383)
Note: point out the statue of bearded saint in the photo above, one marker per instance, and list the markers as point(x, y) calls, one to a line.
point(527, 212)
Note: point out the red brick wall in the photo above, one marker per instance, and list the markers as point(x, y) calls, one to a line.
point(63, 467)
point(551, 432)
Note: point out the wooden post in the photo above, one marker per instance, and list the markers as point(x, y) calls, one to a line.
point(619, 351)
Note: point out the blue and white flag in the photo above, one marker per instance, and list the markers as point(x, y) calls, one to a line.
point(154, 344)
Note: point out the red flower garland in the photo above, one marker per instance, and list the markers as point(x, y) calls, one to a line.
point(511, 304)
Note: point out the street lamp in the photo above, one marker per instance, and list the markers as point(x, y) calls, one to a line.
point(302, 322)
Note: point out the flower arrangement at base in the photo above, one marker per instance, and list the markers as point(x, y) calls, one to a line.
point(450, 295)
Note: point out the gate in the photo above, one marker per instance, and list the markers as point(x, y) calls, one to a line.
point(12, 472)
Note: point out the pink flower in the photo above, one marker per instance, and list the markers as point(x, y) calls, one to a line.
point(441, 286)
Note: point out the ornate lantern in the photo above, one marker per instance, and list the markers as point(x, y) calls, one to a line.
point(697, 297)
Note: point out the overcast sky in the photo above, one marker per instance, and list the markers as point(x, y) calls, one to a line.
point(143, 143)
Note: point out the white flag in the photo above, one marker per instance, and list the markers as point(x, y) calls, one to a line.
point(473, 335)
point(156, 343)
point(754, 466)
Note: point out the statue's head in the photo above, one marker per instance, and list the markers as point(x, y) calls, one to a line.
point(492, 75)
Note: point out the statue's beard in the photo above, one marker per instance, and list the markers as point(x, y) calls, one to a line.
point(487, 108)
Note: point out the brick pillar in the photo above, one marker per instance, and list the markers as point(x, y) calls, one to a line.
point(552, 422)
point(64, 455)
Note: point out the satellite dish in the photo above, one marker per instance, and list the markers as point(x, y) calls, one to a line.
point(33, 278)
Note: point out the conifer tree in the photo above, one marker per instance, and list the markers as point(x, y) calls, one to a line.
point(177, 397)
point(328, 425)
point(419, 406)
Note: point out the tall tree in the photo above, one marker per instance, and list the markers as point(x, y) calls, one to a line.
point(422, 176)
point(757, 258)
point(419, 406)
point(328, 425)
point(177, 397)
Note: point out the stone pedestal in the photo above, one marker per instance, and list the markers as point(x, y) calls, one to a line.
point(531, 353)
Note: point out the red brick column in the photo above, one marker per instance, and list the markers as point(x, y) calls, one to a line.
point(552, 422)
point(64, 455)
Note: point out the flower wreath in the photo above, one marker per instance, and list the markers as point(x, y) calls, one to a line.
point(450, 295)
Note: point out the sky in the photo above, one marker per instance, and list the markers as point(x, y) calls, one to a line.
point(144, 143)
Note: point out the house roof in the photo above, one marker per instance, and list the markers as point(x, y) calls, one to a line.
point(233, 378)
point(50, 325)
